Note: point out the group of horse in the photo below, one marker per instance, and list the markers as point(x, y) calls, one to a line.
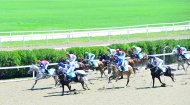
point(104, 63)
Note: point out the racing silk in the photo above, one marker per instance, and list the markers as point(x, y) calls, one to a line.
point(123, 55)
point(122, 64)
point(70, 67)
point(44, 64)
point(181, 51)
point(111, 52)
point(90, 57)
point(137, 50)
point(119, 53)
point(72, 57)
point(156, 62)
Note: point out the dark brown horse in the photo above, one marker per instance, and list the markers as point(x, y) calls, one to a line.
point(80, 78)
point(88, 66)
point(138, 62)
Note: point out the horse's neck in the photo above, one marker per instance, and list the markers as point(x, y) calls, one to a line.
point(35, 68)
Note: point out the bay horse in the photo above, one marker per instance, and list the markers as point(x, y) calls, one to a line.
point(116, 73)
point(40, 75)
point(138, 63)
point(80, 77)
point(156, 73)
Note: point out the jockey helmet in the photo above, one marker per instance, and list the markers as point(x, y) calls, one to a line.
point(134, 46)
point(61, 64)
point(86, 53)
point(123, 52)
point(178, 46)
point(38, 61)
point(67, 53)
point(67, 61)
point(117, 50)
point(108, 48)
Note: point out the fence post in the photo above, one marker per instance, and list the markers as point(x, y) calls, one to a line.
point(46, 39)
point(23, 42)
point(88, 36)
point(164, 51)
point(33, 74)
point(0, 43)
point(147, 31)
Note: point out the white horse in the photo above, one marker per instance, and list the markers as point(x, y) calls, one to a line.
point(41, 75)
point(181, 61)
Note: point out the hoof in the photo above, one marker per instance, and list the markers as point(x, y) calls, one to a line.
point(163, 85)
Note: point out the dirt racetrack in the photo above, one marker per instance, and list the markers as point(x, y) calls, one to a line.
point(139, 92)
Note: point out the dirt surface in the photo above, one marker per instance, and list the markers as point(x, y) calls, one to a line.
point(139, 92)
point(97, 43)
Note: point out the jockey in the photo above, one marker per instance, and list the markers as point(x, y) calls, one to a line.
point(181, 51)
point(118, 52)
point(71, 57)
point(43, 66)
point(157, 62)
point(89, 57)
point(123, 55)
point(136, 51)
point(121, 63)
point(69, 69)
point(111, 51)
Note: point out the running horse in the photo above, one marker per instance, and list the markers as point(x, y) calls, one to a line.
point(115, 73)
point(138, 63)
point(156, 73)
point(181, 61)
point(40, 75)
point(99, 65)
point(81, 77)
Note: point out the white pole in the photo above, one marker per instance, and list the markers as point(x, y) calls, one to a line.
point(33, 74)
point(164, 51)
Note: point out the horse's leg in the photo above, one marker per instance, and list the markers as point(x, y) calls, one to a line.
point(34, 84)
point(110, 78)
point(82, 83)
point(127, 80)
point(172, 77)
point(184, 68)
point(163, 84)
point(56, 81)
point(62, 89)
point(178, 65)
point(153, 79)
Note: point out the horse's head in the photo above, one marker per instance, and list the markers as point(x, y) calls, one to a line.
point(33, 68)
point(63, 60)
point(174, 51)
point(149, 66)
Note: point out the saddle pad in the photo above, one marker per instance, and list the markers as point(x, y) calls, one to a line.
point(140, 56)
point(95, 63)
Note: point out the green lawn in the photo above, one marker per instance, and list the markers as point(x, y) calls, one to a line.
point(20, 15)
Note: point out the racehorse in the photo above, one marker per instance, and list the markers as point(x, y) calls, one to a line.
point(43, 75)
point(99, 65)
point(182, 61)
point(130, 62)
point(80, 77)
point(116, 73)
point(138, 63)
point(156, 73)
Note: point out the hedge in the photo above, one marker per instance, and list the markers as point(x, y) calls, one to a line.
point(28, 57)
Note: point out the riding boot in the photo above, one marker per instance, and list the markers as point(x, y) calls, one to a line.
point(46, 71)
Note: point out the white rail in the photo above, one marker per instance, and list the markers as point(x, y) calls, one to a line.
point(27, 66)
